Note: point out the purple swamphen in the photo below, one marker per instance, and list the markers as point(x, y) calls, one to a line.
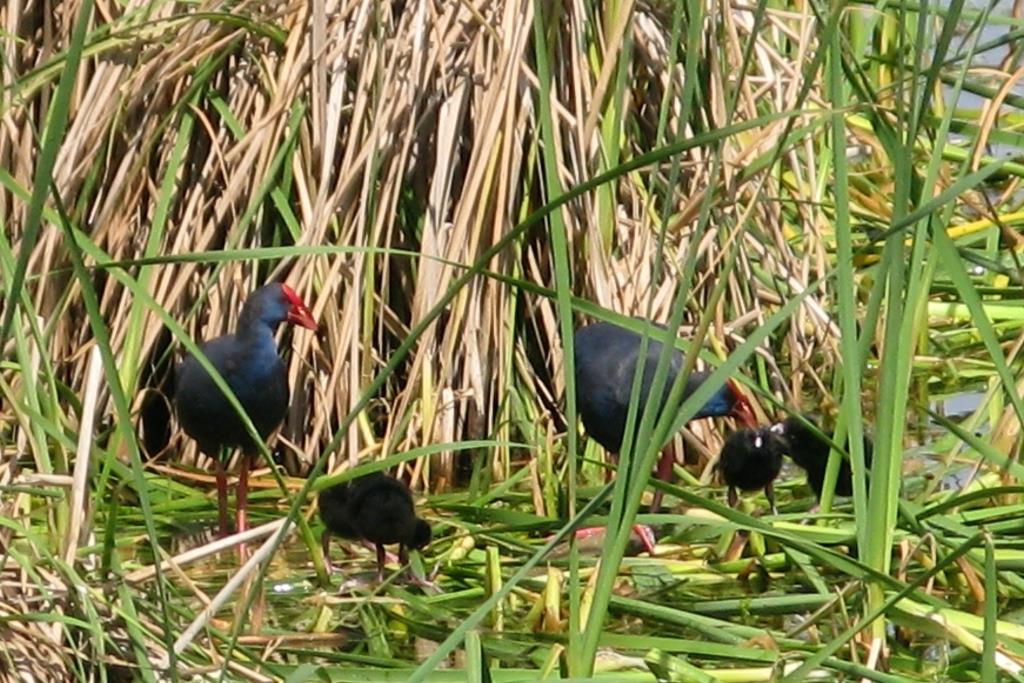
point(248, 361)
point(751, 459)
point(606, 358)
point(375, 508)
point(809, 450)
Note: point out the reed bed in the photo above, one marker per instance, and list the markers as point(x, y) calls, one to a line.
point(823, 199)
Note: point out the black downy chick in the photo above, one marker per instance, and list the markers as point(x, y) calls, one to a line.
point(751, 459)
point(375, 508)
point(810, 452)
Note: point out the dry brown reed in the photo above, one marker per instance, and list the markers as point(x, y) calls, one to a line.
point(384, 127)
point(387, 126)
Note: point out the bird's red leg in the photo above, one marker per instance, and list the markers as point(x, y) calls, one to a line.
point(222, 498)
point(642, 530)
point(663, 472)
point(243, 493)
point(644, 533)
point(609, 472)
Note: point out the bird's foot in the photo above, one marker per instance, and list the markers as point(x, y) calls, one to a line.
point(356, 584)
point(590, 532)
point(647, 538)
point(425, 583)
point(593, 534)
point(815, 509)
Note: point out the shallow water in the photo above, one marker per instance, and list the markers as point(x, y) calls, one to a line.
point(357, 622)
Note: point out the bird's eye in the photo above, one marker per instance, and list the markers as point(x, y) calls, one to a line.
point(757, 441)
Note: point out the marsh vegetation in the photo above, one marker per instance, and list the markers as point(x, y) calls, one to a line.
point(824, 199)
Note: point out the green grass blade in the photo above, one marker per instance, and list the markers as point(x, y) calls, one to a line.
point(53, 137)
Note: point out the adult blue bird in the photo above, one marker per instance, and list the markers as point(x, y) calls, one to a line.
point(248, 361)
point(606, 362)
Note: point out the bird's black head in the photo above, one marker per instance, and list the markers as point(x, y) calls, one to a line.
point(803, 442)
point(421, 535)
point(750, 458)
point(757, 442)
point(809, 448)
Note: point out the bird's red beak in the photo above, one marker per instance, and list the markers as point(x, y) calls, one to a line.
point(299, 315)
point(741, 409)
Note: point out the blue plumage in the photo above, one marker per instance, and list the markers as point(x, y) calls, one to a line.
point(606, 361)
point(248, 361)
point(606, 358)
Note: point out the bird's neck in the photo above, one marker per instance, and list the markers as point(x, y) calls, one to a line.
point(252, 327)
point(719, 405)
point(256, 340)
